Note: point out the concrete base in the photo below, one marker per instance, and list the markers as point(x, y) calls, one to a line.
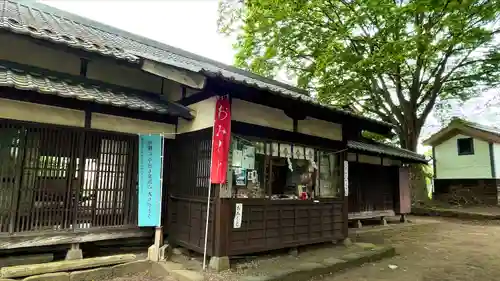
point(187, 275)
point(165, 252)
point(219, 264)
point(303, 271)
point(162, 269)
point(154, 250)
point(74, 253)
point(153, 253)
point(347, 242)
point(359, 224)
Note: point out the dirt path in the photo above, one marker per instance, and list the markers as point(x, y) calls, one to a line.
point(143, 277)
point(451, 250)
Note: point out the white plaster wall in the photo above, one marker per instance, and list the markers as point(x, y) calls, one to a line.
point(18, 49)
point(132, 126)
point(496, 156)
point(205, 113)
point(257, 114)
point(450, 165)
point(26, 111)
point(320, 128)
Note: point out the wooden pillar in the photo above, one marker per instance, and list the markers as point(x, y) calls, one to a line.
point(219, 260)
point(221, 228)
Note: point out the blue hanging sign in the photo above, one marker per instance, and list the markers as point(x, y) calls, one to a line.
point(150, 179)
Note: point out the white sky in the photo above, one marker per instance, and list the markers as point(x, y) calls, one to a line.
point(192, 25)
point(187, 24)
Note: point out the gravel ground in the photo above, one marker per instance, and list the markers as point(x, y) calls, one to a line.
point(143, 277)
point(450, 250)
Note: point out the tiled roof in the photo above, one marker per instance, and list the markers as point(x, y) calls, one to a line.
point(48, 83)
point(489, 129)
point(385, 149)
point(44, 22)
point(468, 127)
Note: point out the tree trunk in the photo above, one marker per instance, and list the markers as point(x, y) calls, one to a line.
point(419, 192)
point(409, 140)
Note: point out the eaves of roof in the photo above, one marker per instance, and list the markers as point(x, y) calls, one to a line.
point(59, 84)
point(388, 150)
point(457, 125)
point(44, 22)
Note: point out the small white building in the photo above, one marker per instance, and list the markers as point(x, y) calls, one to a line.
point(466, 161)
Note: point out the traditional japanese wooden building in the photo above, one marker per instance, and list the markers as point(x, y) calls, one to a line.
point(287, 170)
point(74, 95)
point(379, 180)
point(72, 103)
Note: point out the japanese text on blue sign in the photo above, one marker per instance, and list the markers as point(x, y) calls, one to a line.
point(150, 166)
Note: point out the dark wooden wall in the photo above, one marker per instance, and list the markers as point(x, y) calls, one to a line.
point(372, 187)
point(277, 224)
point(187, 191)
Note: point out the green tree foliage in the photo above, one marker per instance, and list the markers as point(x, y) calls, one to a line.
point(395, 60)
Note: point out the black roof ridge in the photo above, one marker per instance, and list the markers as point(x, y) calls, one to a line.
point(151, 42)
point(376, 142)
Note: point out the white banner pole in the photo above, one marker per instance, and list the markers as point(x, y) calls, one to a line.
point(208, 202)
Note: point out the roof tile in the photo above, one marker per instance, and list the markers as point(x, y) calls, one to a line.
point(387, 150)
point(68, 88)
point(20, 17)
point(48, 23)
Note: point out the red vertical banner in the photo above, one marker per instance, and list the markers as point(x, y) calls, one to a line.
point(221, 140)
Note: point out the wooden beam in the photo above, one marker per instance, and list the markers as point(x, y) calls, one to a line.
point(181, 76)
point(38, 239)
point(61, 266)
point(197, 97)
point(266, 133)
point(371, 214)
point(267, 98)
